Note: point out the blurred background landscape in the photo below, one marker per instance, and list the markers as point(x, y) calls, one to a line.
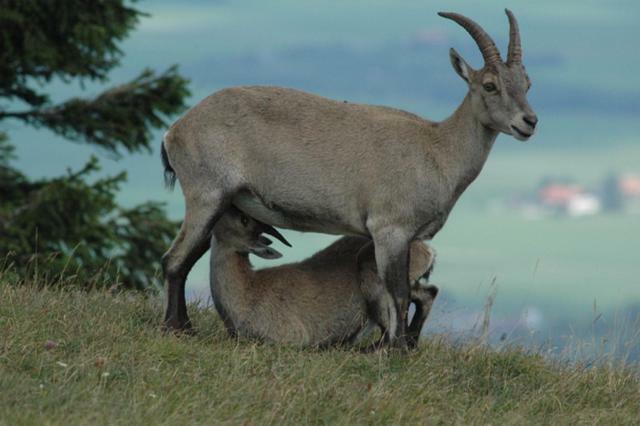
point(551, 227)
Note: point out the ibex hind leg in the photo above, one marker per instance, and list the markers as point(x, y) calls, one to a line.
point(201, 214)
point(422, 297)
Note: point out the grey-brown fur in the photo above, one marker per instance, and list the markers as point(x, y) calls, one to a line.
point(300, 161)
point(320, 301)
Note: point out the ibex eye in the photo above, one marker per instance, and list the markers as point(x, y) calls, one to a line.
point(489, 87)
point(244, 220)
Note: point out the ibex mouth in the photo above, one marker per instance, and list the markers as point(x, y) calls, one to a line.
point(520, 133)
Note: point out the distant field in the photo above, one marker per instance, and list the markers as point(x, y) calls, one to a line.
point(73, 357)
point(564, 263)
point(557, 262)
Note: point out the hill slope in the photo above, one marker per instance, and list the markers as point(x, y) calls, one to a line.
point(92, 357)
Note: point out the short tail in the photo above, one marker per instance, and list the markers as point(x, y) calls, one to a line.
point(169, 173)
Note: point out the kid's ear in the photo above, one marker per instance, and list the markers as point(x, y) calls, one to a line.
point(266, 252)
point(460, 66)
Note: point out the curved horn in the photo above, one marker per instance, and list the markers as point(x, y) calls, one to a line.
point(485, 43)
point(268, 229)
point(514, 55)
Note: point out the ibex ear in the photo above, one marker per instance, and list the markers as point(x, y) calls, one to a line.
point(460, 66)
point(265, 252)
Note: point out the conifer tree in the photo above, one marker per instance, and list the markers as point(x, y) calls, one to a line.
point(71, 226)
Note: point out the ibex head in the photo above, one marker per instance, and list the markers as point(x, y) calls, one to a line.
point(243, 234)
point(498, 91)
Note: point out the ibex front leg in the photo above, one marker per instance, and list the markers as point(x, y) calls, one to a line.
point(380, 305)
point(423, 298)
point(392, 258)
point(202, 212)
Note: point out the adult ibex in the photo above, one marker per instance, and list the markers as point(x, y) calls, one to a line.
point(300, 161)
point(321, 301)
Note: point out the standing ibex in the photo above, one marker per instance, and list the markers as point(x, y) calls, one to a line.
point(320, 301)
point(300, 161)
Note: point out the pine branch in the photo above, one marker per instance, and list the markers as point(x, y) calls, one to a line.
point(22, 115)
point(66, 39)
point(82, 227)
point(119, 118)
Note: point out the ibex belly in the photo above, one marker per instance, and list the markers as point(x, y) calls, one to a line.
point(295, 217)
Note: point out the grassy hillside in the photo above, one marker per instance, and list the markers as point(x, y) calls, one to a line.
point(80, 358)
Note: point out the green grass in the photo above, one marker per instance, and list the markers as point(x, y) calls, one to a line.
point(112, 365)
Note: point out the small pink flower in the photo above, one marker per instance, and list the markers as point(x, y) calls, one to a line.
point(100, 362)
point(50, 344)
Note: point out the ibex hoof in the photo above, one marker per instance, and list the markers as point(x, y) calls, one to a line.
point(178, 327)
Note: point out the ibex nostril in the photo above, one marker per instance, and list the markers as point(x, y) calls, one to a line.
point(531, 120)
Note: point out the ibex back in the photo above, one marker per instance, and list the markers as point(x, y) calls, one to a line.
point(300, 161)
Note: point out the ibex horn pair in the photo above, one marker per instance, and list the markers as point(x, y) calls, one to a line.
point(485, 43)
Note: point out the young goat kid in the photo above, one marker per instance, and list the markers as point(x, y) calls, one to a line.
point(320, 301)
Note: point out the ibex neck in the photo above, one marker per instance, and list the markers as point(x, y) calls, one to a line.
point(465, 145)
point(231, 277)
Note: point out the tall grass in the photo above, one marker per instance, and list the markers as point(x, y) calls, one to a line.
point(78, 357)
